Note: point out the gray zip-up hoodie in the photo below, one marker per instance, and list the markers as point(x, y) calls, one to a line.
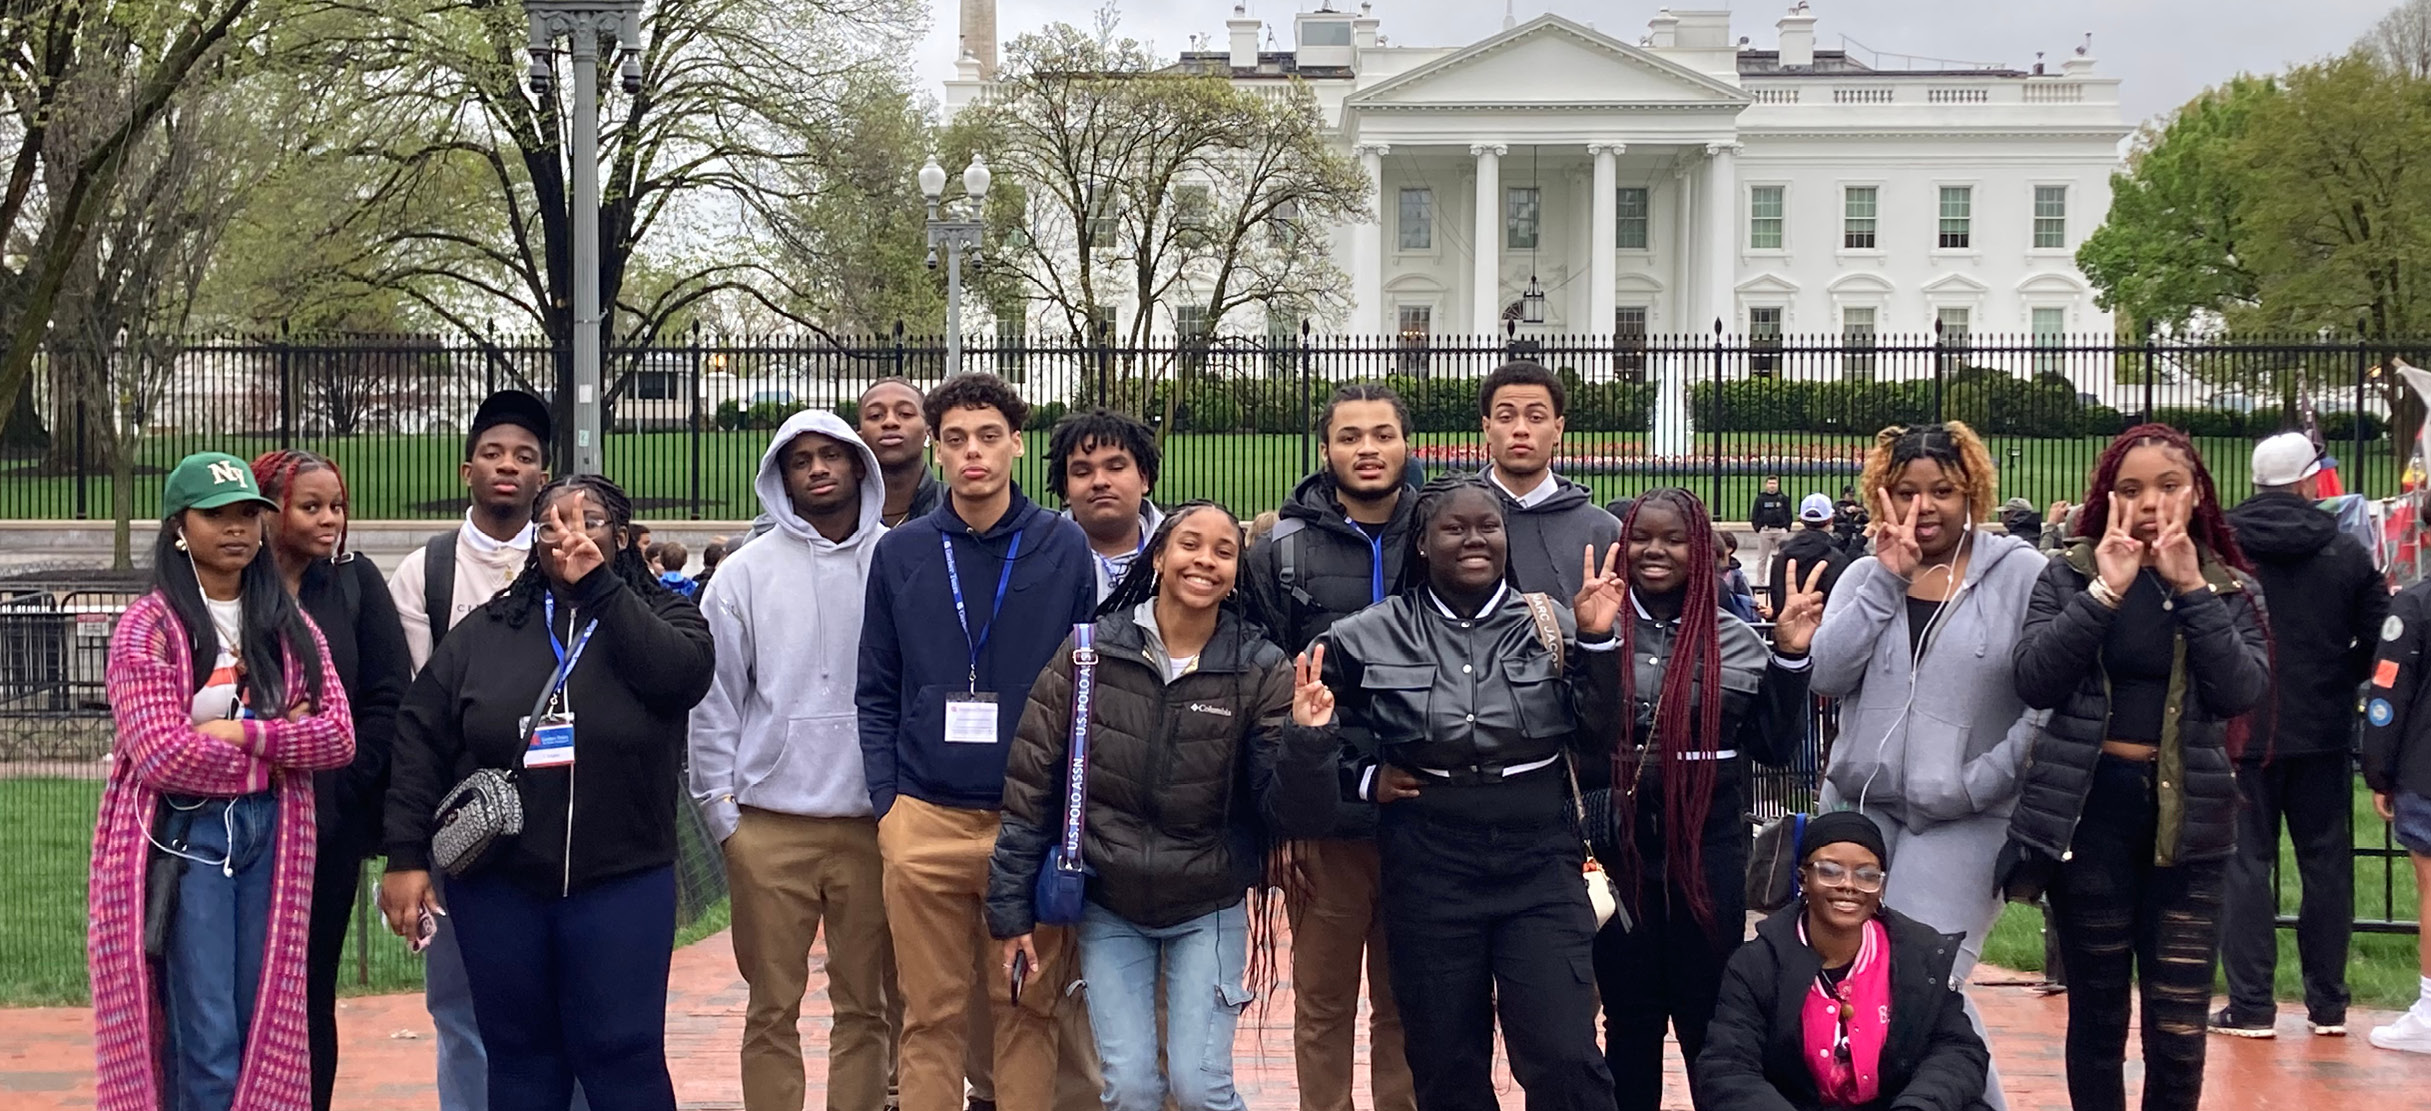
point(1946, 740)
point(1550, 537)
point(778, 730)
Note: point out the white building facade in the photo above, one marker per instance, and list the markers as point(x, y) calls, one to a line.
point(1686, 179)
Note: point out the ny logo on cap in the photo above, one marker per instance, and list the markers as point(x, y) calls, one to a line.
point(227, 472)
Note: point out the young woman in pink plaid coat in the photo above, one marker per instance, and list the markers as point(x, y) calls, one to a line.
point(225, 703)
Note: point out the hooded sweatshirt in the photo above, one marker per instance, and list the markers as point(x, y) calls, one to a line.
point(1549, 532)
point(778, 730)
point(2326, 606)
point(1943, 736)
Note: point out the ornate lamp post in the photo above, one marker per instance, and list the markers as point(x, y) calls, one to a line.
point(583, 23)
point(957, 237)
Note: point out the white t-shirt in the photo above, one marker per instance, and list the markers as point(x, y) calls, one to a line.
point(216, 701)
point(1176, 668)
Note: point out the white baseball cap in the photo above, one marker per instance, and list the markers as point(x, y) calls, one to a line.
point(2285, 460)
point(1816, 508)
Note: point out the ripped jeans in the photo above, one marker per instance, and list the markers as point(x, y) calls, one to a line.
point(2123, 920)
point(1198, 964)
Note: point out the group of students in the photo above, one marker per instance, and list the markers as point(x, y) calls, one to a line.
point(1034, 773)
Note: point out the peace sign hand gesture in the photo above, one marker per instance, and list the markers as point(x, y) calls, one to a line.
point(1895, 544)
point(573, 551)
point(2120, 555)
point(1312, 704)
point(1801, 611)
point(2173, 551)
point(1600, 594)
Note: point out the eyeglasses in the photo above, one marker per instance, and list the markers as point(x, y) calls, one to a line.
point(548, 532)
point(1831, 873)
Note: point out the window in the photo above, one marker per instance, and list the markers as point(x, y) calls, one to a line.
point(1190, 322)
point(1632, 209)
point(1629, 334)
point(1415, 323)
point(1857, 341)
point(1193, 206)
point(1764, 218)
point(1417, 219)
point(1957, 217)
point(2049, 327)
point(1012, 343)
point(655, 385)
point(1519, 218)
point(1282, 338)
point(1764, 339)
point(1955, 323)
point(1283, 228)
point(1099, 229)
point(1859, 206)
point(2050, 217)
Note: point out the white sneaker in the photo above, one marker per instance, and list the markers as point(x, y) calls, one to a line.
point(2411, 1033)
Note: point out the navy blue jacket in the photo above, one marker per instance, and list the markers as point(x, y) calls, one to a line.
point(913, 652)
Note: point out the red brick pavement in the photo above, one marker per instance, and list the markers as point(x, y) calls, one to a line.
point(46, 1053)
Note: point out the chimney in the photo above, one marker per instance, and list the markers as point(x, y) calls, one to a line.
point(979, 35)
point(2080, 63)
point(1663, 30)
point(1363, 29)
point(1244, 38)
point(1797, 37)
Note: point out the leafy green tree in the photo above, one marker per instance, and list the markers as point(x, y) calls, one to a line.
point(853, 240)
point(2173, 248)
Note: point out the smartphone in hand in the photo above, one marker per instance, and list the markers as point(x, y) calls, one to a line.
point(1021, 975)
point(426, 928)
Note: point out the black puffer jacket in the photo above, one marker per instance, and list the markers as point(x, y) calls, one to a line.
point(2327, 603)
point(1188, 780)
point(1317, 568)
point(2221, 673)
point(1755, 1051)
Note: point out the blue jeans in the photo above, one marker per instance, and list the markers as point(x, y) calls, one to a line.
point(1200, 962)
point(571, 988)
point(216, 942)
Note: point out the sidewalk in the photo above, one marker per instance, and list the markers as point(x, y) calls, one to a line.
point(46, 1053)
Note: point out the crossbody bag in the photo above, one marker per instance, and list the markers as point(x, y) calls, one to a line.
point(1600, 894)
point(1061, 890)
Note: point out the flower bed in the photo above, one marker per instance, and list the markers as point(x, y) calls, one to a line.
point(1630, 458)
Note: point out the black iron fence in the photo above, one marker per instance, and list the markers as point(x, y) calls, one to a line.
point(687, 419)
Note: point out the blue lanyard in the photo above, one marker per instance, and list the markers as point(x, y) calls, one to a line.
point(1004, 579)
point(548, 608)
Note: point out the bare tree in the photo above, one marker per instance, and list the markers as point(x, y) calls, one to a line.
point(2401, 40)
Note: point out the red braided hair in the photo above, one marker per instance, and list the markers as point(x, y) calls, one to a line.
point(2206, 525)
point(1683, 722)
point(275, 472)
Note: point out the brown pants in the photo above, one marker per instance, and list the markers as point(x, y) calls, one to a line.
point(788, 875)
point(1079, 1079)
point(1335, 920)
point(936, 879)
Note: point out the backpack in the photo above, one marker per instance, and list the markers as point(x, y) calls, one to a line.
point(439, 584)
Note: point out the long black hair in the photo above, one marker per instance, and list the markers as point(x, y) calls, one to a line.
point(521, 598)
point(273, 630)
point(1433, 498)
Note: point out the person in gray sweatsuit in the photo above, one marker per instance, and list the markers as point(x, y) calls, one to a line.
point(1916, 643)
point(1549, 521)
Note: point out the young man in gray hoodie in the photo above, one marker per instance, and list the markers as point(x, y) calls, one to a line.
point(1550, 521)
point(776, 765)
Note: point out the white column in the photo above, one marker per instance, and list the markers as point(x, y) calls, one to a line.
point(1485, 306)
point(1367, 249)
point(1722, 236)
point(1685, 247)
point(1603, 214)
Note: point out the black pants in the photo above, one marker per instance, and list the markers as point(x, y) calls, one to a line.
point(1483, 919)
point(1667, 971)
point(335, 873)
point(2315, 795)
point(2125, 921)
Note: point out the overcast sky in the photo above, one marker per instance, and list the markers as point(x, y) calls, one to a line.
point(2166, 50)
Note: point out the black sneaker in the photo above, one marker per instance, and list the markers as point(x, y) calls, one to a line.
point(2327, 1026)
point(2225, 1021)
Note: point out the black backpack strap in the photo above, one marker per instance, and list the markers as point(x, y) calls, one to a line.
point(1287, 574)
point(439, 583)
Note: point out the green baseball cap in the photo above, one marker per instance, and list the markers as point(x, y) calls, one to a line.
point(208, 480)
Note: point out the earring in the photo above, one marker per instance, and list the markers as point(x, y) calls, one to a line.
point(181, 541)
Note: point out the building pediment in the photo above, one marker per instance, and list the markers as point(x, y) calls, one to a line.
point(1550, 62)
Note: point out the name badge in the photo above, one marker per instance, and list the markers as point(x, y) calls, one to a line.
point(970, 719)
point(552, 742)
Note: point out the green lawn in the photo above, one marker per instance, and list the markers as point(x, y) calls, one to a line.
point(46, 828)
point(2381, 968)
point(397, 476)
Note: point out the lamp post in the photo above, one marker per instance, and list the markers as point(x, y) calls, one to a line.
point(583, 23)
point(957, 237)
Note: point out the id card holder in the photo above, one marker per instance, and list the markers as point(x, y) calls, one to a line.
point(970, 718)
point(552, 742)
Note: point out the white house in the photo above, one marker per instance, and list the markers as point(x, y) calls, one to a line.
point(1659, 183)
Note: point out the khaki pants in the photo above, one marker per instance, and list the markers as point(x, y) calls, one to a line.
point(1337, 919)
point(1078, 1078)
point(789, 875)
point(936, 879)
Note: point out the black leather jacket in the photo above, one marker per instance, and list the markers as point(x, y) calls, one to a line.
point(1445, 692)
